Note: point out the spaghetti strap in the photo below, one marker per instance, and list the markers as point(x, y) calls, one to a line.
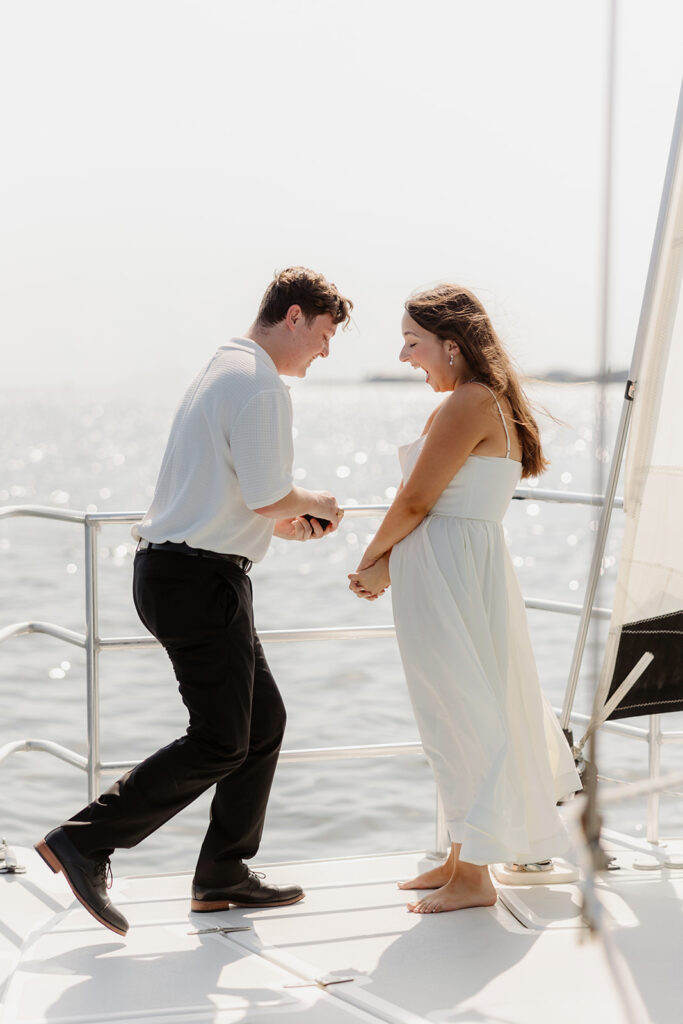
point(505, 426)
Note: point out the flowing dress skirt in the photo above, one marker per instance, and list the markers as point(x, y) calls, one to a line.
point(498, 754)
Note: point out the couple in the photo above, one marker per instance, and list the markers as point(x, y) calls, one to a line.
point(224, 488)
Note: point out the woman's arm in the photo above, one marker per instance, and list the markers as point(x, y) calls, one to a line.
point(459, 425)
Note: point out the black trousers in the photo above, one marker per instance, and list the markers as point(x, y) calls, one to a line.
point(200, 609)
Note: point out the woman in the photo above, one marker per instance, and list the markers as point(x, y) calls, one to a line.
point(497, 752)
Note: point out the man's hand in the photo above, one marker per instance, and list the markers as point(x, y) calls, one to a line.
point(298, 503)
point(301, 529)
point(326, 507)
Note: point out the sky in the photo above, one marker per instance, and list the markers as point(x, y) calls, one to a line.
point(162, 158)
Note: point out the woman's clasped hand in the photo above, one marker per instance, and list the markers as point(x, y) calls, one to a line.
point(371, 579)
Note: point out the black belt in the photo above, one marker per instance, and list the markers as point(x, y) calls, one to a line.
point(184, 549)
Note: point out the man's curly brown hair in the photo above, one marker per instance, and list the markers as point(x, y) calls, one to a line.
point(298, 286)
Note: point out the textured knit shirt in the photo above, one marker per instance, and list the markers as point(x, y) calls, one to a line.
point(229, 451)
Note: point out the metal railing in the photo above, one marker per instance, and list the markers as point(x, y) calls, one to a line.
point(92, 643)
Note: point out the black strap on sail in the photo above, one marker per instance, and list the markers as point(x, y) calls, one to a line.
point(660, 688)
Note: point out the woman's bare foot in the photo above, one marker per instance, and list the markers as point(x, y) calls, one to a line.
point(457, 894)
point(434, 878)
point(430, 879)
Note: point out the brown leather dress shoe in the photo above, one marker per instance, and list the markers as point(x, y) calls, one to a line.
point(249, 892)
point(89, 879)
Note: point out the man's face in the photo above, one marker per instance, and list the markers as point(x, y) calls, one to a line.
point(310, 339)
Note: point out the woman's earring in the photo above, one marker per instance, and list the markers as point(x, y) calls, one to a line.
point(450, 361)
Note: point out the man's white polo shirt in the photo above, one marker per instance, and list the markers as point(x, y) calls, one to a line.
point(229, 451)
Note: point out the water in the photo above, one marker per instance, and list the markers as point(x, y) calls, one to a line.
point(103, 453)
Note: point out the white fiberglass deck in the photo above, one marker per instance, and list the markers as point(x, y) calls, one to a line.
point(482, 966)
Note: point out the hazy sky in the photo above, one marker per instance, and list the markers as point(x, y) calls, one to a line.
point(160, 159)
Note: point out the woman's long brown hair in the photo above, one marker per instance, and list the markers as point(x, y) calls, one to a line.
point(453, 313)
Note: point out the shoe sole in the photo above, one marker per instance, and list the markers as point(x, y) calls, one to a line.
point(55, 865)
point(205, 906)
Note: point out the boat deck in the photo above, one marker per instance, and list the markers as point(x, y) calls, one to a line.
point(348, 952)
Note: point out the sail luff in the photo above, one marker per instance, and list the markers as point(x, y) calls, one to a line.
point(647, 338)
point(664, 218)
point(649, 589)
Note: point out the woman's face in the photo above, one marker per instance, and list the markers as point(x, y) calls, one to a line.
point(424, 351)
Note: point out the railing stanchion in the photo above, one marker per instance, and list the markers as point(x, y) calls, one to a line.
point(654, 743)
point(92, 652)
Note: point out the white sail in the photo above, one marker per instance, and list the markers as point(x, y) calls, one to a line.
point(650, 577)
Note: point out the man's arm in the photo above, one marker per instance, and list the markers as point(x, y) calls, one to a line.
point(289, 513)
point(301, 502)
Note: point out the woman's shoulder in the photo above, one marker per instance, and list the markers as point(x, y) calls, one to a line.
point(467, 403)
point(476, 392)
point(469, 398)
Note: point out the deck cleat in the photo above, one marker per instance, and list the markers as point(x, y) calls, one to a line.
point(9, 865)
point(540, 872)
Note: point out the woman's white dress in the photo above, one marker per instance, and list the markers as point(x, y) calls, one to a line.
point(498, 754)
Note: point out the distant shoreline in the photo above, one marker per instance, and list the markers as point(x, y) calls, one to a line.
point(549, 376)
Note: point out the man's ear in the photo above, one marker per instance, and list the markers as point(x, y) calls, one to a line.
point(293, 314)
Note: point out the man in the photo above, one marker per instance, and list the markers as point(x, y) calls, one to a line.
point(224, 487)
